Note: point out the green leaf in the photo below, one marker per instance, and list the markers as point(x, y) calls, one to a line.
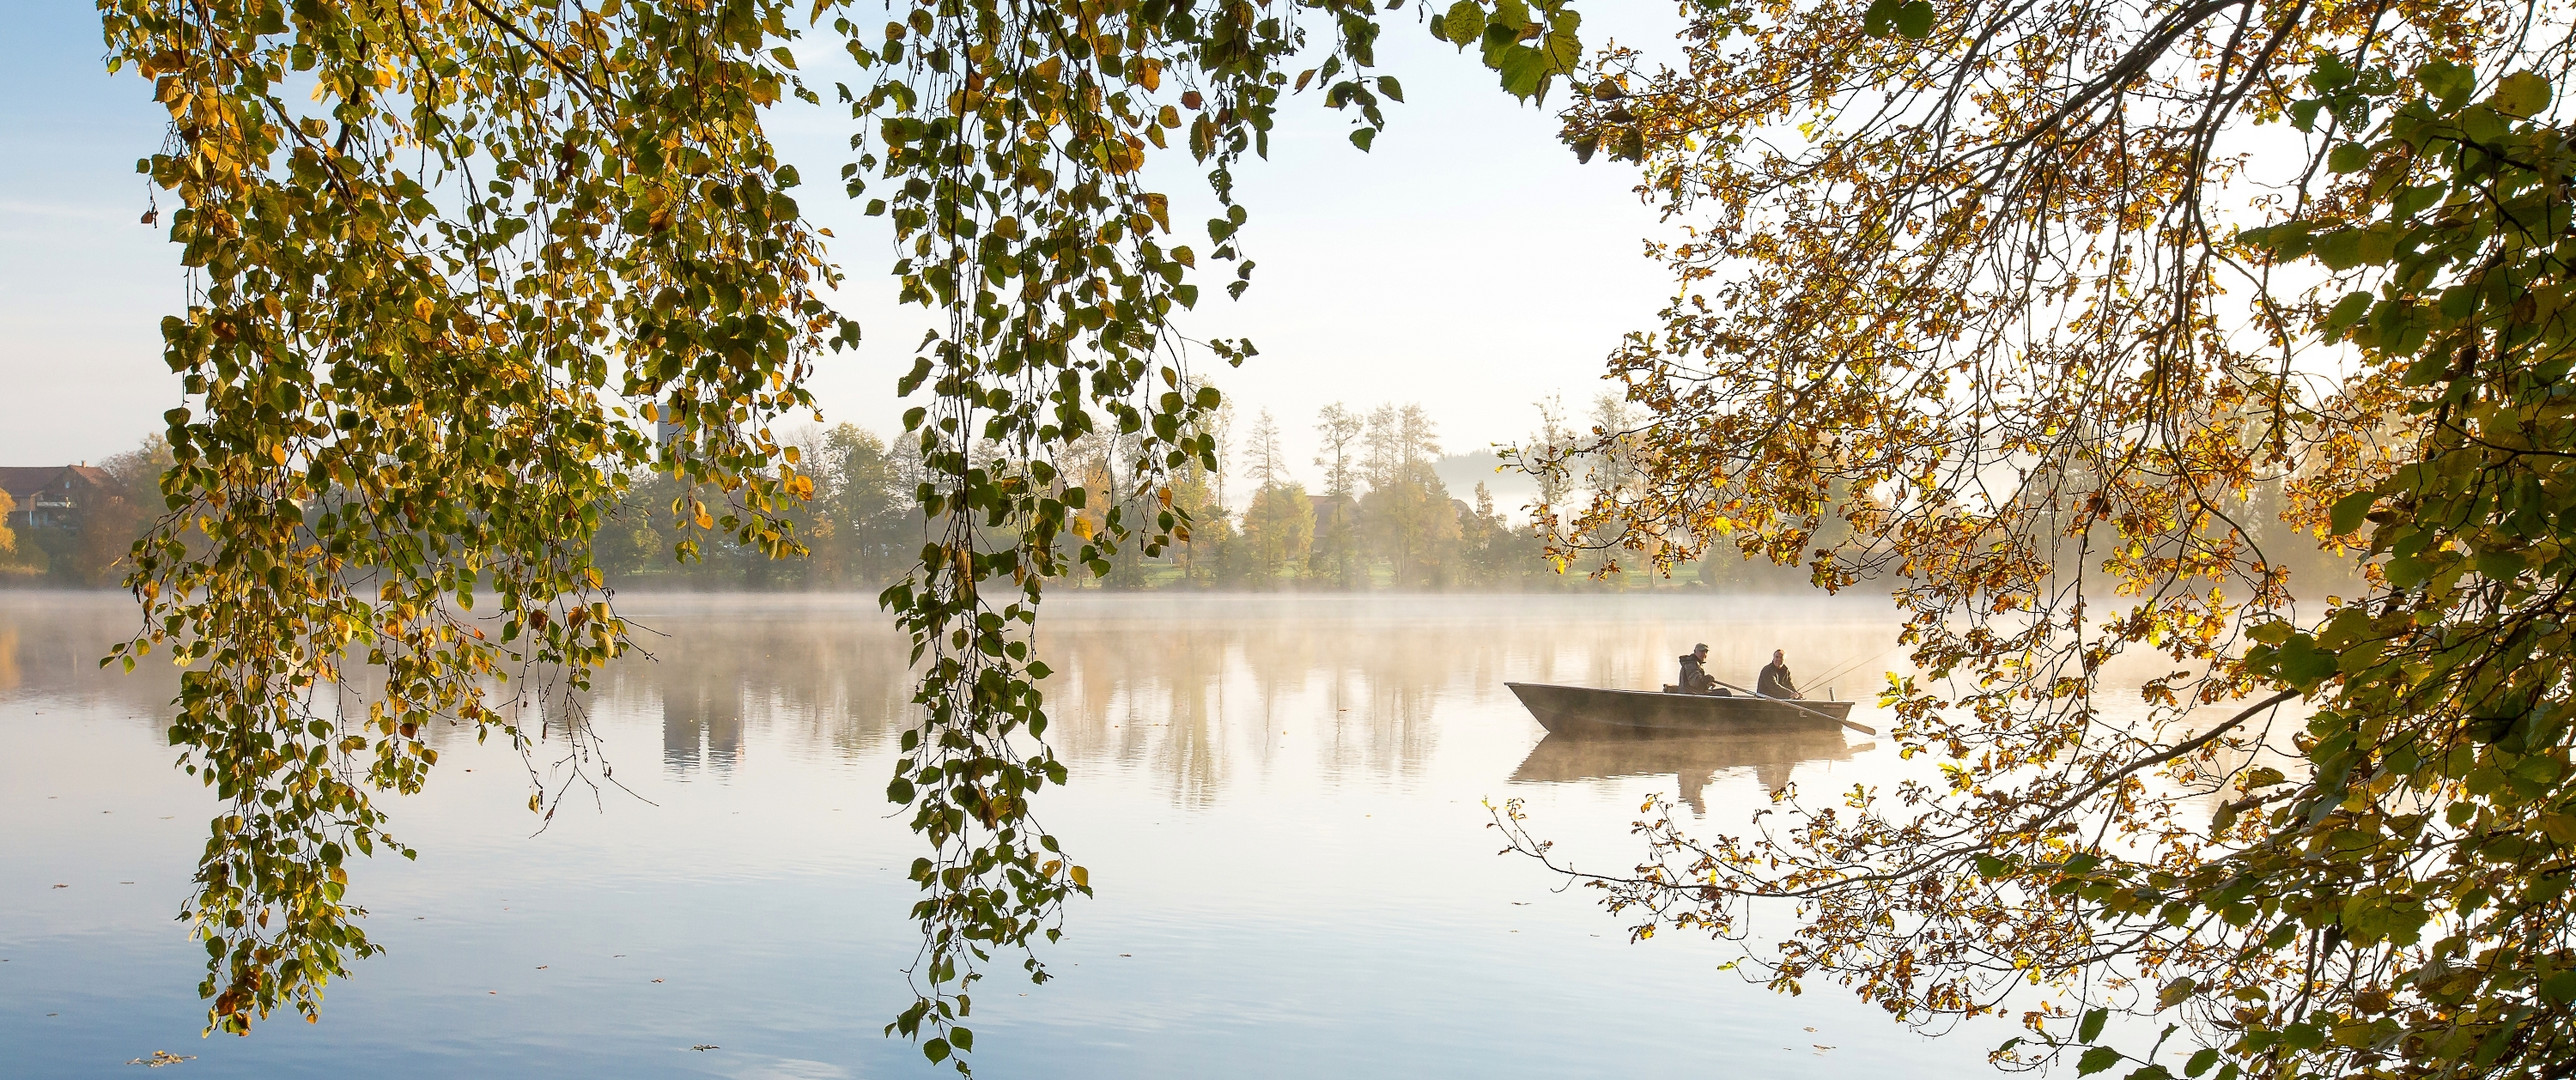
point(2201, 1061)
point(2095, 1060)
point(1564, 50)
point(2521, 94)
point(2348, 248)
point(2175, 993)
point(1464, 23)
point(2303, 664)
point(2351, 511)
point(1525, 71)
point(2447, 82)
point(1914, 19)
point(2090, 1027)
point(1880, 19)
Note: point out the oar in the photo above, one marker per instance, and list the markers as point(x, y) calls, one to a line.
point(1854, 725)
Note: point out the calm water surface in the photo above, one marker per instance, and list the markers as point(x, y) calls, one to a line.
point(1280, 801)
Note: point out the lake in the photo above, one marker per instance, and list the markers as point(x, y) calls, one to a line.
point(1281, 802)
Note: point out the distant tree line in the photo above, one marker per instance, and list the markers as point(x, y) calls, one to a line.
point(1380, 517)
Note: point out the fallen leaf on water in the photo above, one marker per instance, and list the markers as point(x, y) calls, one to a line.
point(160, 1058)
point(62, 886)
point(657, 980)
point(1811, 1029)
point(542, 967)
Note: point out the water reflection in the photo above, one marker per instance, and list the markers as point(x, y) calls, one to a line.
point(1694, 760)
point(828, 675)
point(1198, 695)
point(1281, 798)
point(50, 645)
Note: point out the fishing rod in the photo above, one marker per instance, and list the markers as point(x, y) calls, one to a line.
point(1795, 704)
point(1847, 669)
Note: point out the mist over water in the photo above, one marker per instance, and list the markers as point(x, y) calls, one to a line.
point(1280, 799)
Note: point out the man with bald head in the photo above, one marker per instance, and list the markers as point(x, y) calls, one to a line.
point(1775, 681)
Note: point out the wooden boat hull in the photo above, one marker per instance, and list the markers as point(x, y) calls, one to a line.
point(1587, 710)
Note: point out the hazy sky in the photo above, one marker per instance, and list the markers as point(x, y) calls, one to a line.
point(1468, 263)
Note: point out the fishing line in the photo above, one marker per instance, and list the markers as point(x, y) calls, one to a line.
point(1850, 667)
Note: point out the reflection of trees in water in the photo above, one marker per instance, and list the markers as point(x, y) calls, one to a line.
point(1139, 693)
point(50, 643)
point(1198, 691)
point(811, 674)
point(1193, 691)
point(1196, 698)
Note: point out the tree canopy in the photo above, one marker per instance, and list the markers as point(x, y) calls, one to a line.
point(2023, 309)
point(457, 269)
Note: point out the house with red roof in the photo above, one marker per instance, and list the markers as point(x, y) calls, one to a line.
point(52, 496)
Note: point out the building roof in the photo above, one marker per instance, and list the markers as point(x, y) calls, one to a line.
point(21, 481)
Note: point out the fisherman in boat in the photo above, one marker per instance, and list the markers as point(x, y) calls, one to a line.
point(1775, 681)
point(1695, 676)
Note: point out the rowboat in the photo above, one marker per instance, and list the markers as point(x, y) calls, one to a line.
point(1592, 710)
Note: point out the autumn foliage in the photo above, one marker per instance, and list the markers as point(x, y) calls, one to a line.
point(2036, 305)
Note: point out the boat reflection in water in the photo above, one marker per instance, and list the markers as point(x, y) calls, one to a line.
point(1694, 759)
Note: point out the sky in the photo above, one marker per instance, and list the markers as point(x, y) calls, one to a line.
point(1468, 263)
